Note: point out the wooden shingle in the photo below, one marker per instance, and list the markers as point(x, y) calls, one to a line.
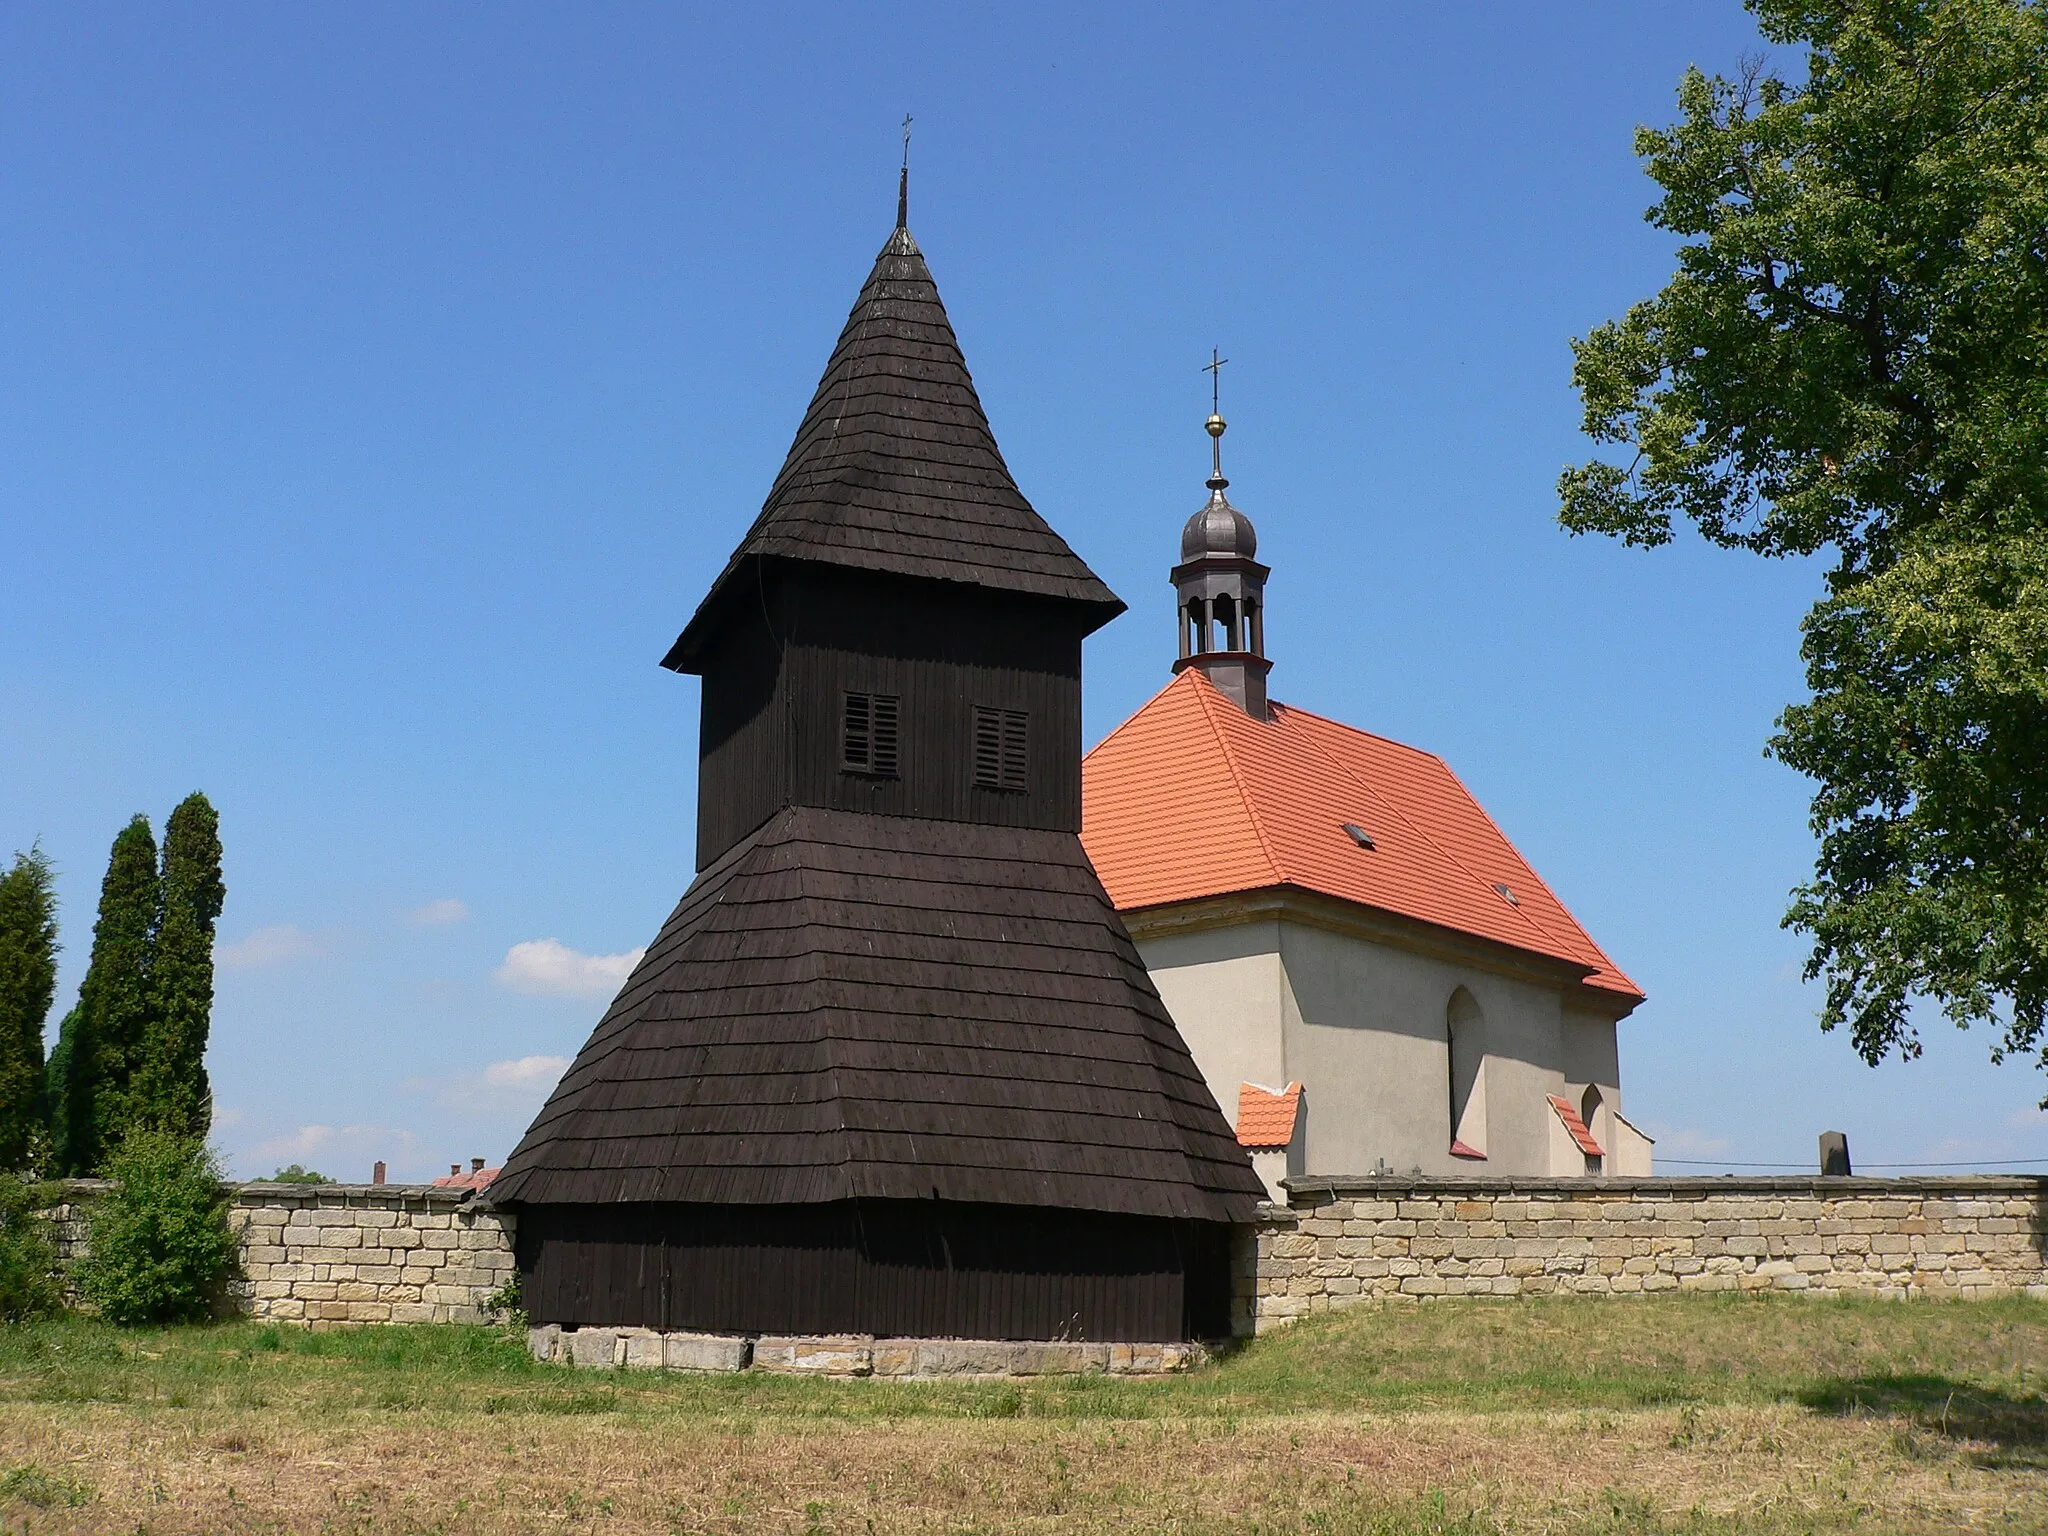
point(859, 1007)
point(895, 469)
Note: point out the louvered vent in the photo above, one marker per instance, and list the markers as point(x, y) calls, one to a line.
point(1002, 748)
point(869, 734)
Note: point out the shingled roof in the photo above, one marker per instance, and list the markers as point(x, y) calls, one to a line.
point(895, 468)
point(857, 1006)
point(1191, 798)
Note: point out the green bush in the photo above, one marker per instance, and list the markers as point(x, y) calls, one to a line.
point(161, 1247)
point(297, 1175)
point(28, 1257)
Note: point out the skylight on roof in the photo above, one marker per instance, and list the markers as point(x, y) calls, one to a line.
point(1506, 894)
point(1359, 835)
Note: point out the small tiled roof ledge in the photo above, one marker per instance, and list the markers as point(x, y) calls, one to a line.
point(1321, 1189)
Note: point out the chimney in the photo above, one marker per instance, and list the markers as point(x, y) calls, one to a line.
point(476, 1165)
point(455, 1170)
point(377, 1174)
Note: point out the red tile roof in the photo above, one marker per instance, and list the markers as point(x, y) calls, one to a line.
point(1265, 1119)
point(1576, 1126)
point(1191, 797)
point(457, 1179)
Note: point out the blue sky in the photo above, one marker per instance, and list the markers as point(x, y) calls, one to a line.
point(380, 387)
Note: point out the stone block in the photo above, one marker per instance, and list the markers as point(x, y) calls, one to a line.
point(642, 1350)
point(1154, 1359)
point(705, 1352)
point(815, 1355)
point(593, 1347)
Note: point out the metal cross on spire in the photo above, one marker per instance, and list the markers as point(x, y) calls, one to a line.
point(903, 181)
point(1215, 423)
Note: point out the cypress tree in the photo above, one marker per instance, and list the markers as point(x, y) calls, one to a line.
point(57, 1097)
point(28, 985)
point(113, 1002)
point(171, 1093)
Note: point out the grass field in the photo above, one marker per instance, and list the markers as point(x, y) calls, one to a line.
point(1681, 1414)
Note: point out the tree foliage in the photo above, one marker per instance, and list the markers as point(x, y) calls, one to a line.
point(57, 1079)
point(170, 1090)
point(113, 1003)
point(293, 1173)
point(29, 1286)
point(28, 986)
point(1852, 358)
point(160, 1249)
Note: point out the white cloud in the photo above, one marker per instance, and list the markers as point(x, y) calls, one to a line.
point(342, 1152)
point(501, 1087)
point(541, 1072)
point(279, 944)
point(550, 968)
point(439, 914)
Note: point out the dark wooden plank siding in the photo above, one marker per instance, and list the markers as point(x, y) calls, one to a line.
point(921, 1269)
point(775, 681)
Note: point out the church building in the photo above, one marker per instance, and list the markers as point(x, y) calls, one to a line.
point(893, 1065)
point(1369, 975)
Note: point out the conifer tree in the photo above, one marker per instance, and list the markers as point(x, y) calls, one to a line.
point(57, 1097)
point(170, 1090)
point(28, 985)
point(113, 1002)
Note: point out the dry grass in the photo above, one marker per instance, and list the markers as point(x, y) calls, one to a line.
point(1687, 1415)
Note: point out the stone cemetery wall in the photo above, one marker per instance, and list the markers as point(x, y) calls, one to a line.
point(369, 1253)
point(1345, 1240)
point(399, 1253)
point(351, 1253)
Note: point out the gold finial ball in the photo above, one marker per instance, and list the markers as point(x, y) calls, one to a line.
point(1215, 425)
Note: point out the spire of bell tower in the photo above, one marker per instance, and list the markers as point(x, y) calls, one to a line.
point(1220, 589)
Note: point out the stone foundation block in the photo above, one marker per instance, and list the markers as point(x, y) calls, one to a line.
point(833, 1355)
point(641, 1349)
point(705, 1352)
point(592, 1346)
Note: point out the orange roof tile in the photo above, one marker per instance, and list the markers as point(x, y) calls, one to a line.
point(1191, 797)
point(1265, 1119)
point(457, 1179)
point(1575, 1125)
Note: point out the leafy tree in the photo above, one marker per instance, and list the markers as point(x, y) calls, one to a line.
point(160, 1249)
point(294, 1174)
point(29, 1286)
point(113, 1003)
point(170, 1090)
point(1853, 358)
point(28, 985)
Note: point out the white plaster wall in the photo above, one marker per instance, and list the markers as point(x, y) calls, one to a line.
point(1362, 1025)
point(1365, 1031)
point(1592, 1059)
point(1223, 987)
